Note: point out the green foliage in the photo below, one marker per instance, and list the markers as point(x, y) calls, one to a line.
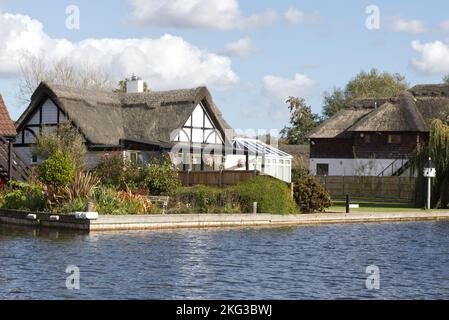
point(110, 201)
point(57, 171)
point(364, 85)
point(200, 199)
point(271, 195)
point(438, 150)
point(24, 196)
point(302, 122)
point(375, 84)
point(107, 201)
point(81, 187)
point(156, 178)
point(333, 102)
point(299, 172)
point(160, 178)
point(73, 205)
point(110, 169)
point(446, 79)
point(310, 195)
point(65, 139)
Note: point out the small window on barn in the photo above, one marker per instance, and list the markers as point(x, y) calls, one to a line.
point(322, 169)
point(394, 138)
point(33, 159)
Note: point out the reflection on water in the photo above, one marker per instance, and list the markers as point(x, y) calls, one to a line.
point(310, 262)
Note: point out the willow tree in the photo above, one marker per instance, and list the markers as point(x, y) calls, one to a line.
point(438, 150)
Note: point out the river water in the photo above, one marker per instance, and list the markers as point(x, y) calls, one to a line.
point(307, 262)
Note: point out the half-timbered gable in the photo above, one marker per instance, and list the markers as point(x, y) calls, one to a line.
point(199, 128)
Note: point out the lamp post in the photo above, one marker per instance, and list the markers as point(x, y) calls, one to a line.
point(429, 173)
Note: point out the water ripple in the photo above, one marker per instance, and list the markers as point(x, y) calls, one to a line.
point(312, 262)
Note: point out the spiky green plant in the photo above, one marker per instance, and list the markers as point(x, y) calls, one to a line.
point(82, 186)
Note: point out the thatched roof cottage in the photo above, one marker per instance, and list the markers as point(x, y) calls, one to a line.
point(184, 123)
point(377, 136)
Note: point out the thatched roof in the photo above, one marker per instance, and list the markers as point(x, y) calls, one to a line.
point(106, 117)
point(396, 115)
point(7, 128)
point(336, 126)
point(410, 111)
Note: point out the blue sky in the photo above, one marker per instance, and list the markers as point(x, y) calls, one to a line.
point(251, 54)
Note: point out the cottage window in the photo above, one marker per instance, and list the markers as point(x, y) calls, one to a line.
point(322, 169)
point(135, 157)
point(394, 139)
point(33, 159)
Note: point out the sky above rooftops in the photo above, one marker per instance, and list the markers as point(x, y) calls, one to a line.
point(251, 54)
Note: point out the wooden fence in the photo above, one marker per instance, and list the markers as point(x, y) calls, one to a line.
point(400, 188)
point(215, 178)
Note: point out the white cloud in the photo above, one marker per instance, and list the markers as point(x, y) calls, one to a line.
point(444, 25)
point(434, 57)
point(398, 24)
point(240, 48)
point(165, 62)
point(278, 89)
point(294, 16)
point(215, 14)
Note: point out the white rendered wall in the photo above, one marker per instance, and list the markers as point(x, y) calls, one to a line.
point(355, 167)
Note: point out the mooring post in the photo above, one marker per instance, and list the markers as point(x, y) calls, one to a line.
point(347, 203)
point(255, 207)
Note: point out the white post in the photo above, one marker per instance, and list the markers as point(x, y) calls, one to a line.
point(428, 192)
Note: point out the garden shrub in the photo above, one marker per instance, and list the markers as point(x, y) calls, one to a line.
point(311, 196)
point(271, 195)
point(160, 178)
point(107, 201)
point(73, 205)
point(24, 196)
point(110, 169)
point(155, 178)
point(65, 139)
point(200, 199)
point(81, 187)
point(110, 201)
point(57, 171)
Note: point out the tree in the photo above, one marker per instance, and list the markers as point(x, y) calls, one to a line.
point(65, 139)
point(122, 86)
point(364, 85)
point(302, 121)
point(334, 102)
point(438, 150)
point(446, 79)
point(36, 69)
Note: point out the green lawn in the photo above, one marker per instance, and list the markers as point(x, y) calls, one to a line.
point(374, 205)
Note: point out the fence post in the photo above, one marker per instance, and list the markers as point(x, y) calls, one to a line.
point(347, 203)
point(292, 190)
point(10, 160)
